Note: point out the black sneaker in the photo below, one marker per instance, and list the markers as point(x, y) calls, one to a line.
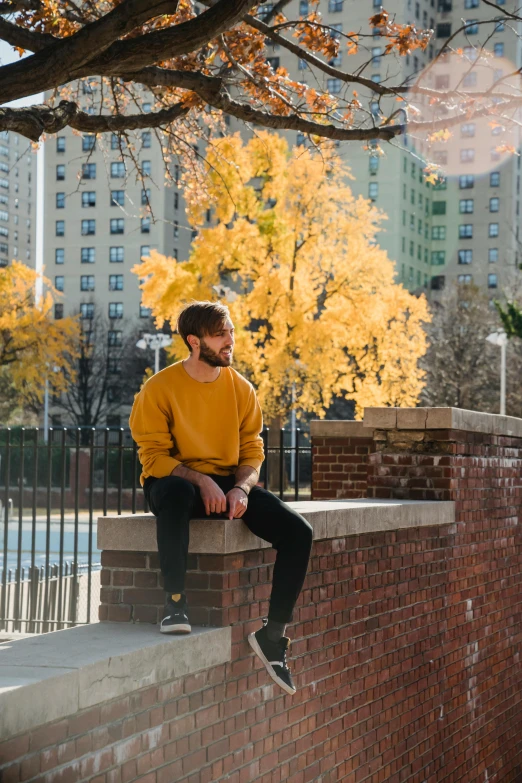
point(175, 618)
point(273, 655)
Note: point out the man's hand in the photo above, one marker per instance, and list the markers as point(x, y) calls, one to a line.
point(212, 496)
point(237, 503)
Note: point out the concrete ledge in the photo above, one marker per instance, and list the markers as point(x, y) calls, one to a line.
point(442, 419)
point(53, 675)
point(339, 428)
point(329, 519)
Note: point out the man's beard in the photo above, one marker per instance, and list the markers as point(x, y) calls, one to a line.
point(213, 359)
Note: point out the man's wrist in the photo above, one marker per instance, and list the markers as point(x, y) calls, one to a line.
point(238, 486)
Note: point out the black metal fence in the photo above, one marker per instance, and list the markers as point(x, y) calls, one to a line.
point(52, 491)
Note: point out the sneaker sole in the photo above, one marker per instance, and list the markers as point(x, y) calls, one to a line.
point(258, 651)
point(175, 629)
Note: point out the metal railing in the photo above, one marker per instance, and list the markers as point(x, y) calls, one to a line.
point(52, 492)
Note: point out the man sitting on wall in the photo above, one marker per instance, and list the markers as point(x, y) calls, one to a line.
point(197, 424)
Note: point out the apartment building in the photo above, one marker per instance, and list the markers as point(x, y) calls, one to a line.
point(102, 217)
point(476, 217)
point(17, 199)
point(466, 227)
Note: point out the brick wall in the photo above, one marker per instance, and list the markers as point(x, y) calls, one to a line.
point(407, 662)
point(339, 459)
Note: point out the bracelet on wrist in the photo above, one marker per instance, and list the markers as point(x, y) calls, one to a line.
point(236, 486)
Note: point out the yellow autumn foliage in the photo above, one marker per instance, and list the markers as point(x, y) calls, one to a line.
point(31, 341)
point(317, 305)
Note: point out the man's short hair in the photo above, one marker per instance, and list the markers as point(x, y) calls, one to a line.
point(201, 319)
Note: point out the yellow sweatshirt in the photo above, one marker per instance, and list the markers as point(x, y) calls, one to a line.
point(209, 427)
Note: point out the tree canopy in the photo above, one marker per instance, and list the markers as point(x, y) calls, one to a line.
point(202, 59)
point(312, 296)
point(32, 342)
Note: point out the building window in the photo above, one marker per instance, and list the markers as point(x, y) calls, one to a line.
point(146, 139)
point(89, 171)
point(60, 201)
point(116, 255)
point(87, 283)
point(144, 251)
point(466, 181)
point(60, 171)
point(465, 256)
point(114, 367)
point(59, 255)
point(374, 164)
point(494, 204)
point(117, 198)
point(60, 144)
point(145, 196)
point(335, 6)
point(115, 338)
point(145, 225)
point(438, 208)
point(145, 312)
point(438, 232)
point(176, 200)
point(176, 229)
point(146, 168)
point(471, 3)
point(303, 7)
point(438, 257)
point(467, 155)
point(472, 27)
point(115, 282)
point(60, 228)
point(274, 62)
point(494, 179)
point(115, 309)
point(492, 281)
point(88, 227)
point(466, 206)
point(59, 281)
point(88, 142)
point(466, 231)
point(493, 230)
point(468, 129)
point(498, 50)
point(117, 141)
point(373, 190)
point(493, 255)
point(443, 30)
point(334, 86)
point(117, 226)
point(88, 255)
point(117, 169)
point(87, 310)
point(464, 279)
point(302, 65)
point(89, 198)
point(470, 80)
point(58, 311)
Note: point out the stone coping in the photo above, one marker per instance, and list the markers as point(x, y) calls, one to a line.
point(442, 419)
point(339, 428)
point(50, 676)
point(329, 519)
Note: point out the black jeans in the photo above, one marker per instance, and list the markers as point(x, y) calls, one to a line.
point(174, 501)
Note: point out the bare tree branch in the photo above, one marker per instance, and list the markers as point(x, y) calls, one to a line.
point(15, 35)
point(35, 120)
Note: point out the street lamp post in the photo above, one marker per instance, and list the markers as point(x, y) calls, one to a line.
point(500, 339)
point(155, 342)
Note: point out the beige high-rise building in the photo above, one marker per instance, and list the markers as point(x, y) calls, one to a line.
point(466, 228)
point(98, 224)
point(17, 199)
